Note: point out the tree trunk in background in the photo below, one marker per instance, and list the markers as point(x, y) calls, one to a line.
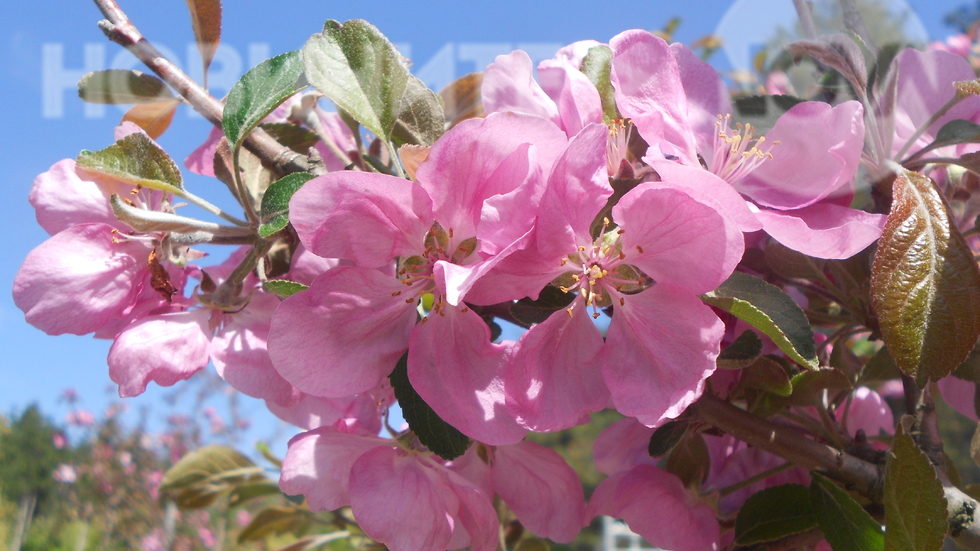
point(25, 514)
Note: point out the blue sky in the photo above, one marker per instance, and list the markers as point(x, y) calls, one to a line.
point(443, 39)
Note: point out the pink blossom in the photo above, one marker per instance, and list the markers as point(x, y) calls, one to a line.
point(65, 474)
point(534, 481)
point(656, 505)
point(960, 395)
point(58, 440)
point(473, 206)
point(670, 244)
point(402, 498)
point(798, 178)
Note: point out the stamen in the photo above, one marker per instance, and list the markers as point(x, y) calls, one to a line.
point(396, 293)
point(639, 248)
point(570, 314)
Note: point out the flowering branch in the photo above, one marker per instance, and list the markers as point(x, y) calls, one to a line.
point(118, 28)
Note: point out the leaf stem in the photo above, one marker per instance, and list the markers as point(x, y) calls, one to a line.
point(757, 478)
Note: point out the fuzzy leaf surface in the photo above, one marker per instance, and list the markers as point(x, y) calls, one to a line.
point(259, 91)
point(915, 504)
point(134, 159)
point(925, 285)
point(358, 68)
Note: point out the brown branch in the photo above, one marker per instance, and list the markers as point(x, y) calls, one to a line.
point(864, 476)
point(118, 28)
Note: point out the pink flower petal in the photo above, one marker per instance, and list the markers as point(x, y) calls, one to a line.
point(79, 280)
point(364, 217)
point(622, 446)
point(201, 160)
point(655, 505)
point(577, 98)
point(467, 165)
point(401, 502)
point(662, 345)
point(553, 379)
point(459, 373)
point(679, 236)
point(707, 95)
point(721, 191)
point(819, 151)
point(477, 525)
point(649, 91)
point(509, 85)
point(240, 353)
point(318, 465)
point(61, 199)
point(541, 489)
point(823, 230)
point(960, 395)
point(164, 349)
point(344, 334)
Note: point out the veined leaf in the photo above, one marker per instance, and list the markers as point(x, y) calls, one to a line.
point(275, 202)
point(357, 68)
point(774, 513)
point(915, 504)
point(283, 288)
point(770, 310)
point(134, 159)
point(259, 91)
point(845, 524)
point(925, 284)
point(201, 476)
point(420, 116)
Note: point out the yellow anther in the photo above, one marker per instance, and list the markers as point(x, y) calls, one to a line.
point(563, 262)
point(396, 293)
point(622, 301)
point(570, 314)
point(639, 248)
point(575, 277)
point(563, 289)
point(464, 310)
point(581, 249)
point(595, 315)
point(425, 319)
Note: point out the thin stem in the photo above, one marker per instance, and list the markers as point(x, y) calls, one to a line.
point(396, 161)
point(199, 202)
point(810, 424)
point(828, 422)
point(925, 126)
point(806, 18)
point(242, 191)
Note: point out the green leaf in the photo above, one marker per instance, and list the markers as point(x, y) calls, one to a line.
point(666, 437)
point(954, 132)
point(597, 65)
point(200, 477)
point(248, 492)
point(808, 386)
point(770, 310)
point(845, 524)
point(549, 301)
point(432, 431)
point(420, 116)
point(357, 68)
point(767, 374)
point(881, 367)
point(762, 111)
point(774, 513)
point(689, 460)
point(743, 351)
point(259, 91)
point(925, 284)
point(134, 159)
point(915, 504)
point(275, 202)
point(283, 288)
point(119, 86)
point(294, 137)
point(275, 520)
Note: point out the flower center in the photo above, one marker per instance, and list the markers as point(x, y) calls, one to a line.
point(737, 153)
point(600, 273)
point(617, 146)
point(416, 271)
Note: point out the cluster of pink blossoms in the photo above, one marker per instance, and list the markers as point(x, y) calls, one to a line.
point(501, 208)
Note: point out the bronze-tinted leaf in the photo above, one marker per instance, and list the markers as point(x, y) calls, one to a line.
point(206, 20)
point(153, 118)
point(925, 283)
point(462, 100)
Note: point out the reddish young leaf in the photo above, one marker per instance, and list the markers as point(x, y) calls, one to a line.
point(925, 284)
point(153, 118)
point(206, 20)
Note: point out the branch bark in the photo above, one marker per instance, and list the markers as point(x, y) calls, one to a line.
point(865, 477)
point(118, 28)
